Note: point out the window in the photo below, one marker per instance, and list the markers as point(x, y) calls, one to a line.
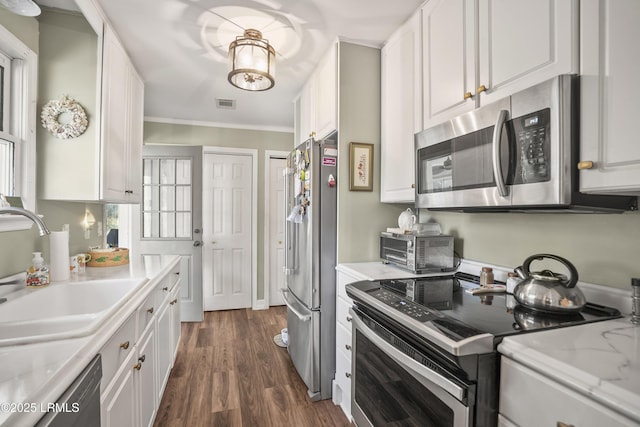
point(18, 76)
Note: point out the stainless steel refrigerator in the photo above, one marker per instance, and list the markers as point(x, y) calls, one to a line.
point(310, 260)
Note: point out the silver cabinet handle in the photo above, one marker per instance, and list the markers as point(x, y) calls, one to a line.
point(349, 318)
point(497, 162)
point(197, 243)
point(347, 346)
point(347, 374)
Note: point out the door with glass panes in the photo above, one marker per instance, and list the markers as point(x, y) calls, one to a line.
point(171, 216)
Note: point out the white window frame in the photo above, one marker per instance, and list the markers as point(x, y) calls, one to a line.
point(22, 125)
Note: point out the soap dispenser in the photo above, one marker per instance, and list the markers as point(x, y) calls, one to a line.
point(38, 272)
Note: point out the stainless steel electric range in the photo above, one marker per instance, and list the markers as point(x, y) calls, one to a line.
point(424, 350)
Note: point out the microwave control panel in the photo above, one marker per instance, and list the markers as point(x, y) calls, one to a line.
point(532, 135)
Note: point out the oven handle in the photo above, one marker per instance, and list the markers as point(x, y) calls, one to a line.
point(497, 162)
point(407, 362)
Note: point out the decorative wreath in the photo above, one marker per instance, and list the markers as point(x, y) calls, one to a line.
point(51, 112)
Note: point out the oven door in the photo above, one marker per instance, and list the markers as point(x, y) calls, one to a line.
point(389, 387)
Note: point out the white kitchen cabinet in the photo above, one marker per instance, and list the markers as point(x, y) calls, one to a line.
point(528, 398)
point(448, 55)
point(108, 159)
point(401, 115)
point(118, 403)
point(609, 152)
point(168, 326)
point(138, 358)
point(316, 107)
point(493, 48)
point(122, 120)
point(342, 382)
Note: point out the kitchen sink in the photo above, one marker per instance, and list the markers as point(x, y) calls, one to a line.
point(61, 310)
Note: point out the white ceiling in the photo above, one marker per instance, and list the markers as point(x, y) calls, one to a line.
point(179, 47)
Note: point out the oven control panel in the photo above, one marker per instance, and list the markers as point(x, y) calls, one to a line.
point(410, 308)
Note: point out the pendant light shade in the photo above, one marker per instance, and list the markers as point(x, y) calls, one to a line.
point(21, 7)
point(252, 62)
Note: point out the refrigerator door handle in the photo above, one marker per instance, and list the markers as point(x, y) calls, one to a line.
point(290, 305)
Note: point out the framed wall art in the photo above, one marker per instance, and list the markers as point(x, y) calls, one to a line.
point(360, 166)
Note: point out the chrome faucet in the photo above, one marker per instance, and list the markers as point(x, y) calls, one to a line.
point(33, 217)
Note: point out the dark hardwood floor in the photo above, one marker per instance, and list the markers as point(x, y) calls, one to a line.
point(229, 372)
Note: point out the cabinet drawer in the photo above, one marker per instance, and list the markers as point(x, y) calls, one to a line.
point(343, 380)
point(548, 402)
point(343, 340)
point(147, 310)
point(341, 280)
point(116, 350)
point(342, 312)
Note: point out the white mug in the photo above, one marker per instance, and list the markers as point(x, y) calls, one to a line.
point(78, 263)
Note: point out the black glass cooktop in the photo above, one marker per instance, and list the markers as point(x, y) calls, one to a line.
point(445, 304)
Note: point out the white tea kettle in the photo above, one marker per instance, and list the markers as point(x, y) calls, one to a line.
point(406, 220)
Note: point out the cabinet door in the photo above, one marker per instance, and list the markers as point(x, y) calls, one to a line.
point(175, 320)
point(401, 115)
point(449, 73)
point(118, 404)
point(165, 347)
point(560, 403)
point(524, 42)
point(146, 377)
point(326, 94)
point(609, 96)
point(135, 136)
point(115, 98)
point(307, 112)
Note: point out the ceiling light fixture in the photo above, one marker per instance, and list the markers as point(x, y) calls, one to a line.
point(21, 7)
point(252, 62)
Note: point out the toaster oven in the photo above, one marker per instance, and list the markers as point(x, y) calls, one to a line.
point(416, 253)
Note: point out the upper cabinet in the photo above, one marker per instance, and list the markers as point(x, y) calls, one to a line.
point(104, 163)
point(401, 111)
point(609, 152)
point(316, 107)
point(122, 124)
point(477, 51)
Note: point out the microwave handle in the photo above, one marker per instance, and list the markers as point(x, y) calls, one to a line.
point(497, 162)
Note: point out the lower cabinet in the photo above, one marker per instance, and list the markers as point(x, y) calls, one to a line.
point(342, 381)
point(528, 398)
point(137, 366)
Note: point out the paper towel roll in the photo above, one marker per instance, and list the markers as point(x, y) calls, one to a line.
point(59, 253)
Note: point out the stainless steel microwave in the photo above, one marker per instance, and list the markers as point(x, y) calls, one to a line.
point(416, 253)
point(518, 153)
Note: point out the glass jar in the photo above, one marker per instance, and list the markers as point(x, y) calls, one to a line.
point(486, 276)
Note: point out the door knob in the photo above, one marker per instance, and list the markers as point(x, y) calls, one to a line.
point(197, 243)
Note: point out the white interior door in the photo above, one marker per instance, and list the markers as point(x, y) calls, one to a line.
point(275, 239)
point(171, 216)
point(227, 231)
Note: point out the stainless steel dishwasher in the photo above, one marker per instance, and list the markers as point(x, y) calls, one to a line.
point(79, 405)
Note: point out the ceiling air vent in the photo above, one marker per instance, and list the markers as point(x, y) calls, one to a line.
point(229, 104)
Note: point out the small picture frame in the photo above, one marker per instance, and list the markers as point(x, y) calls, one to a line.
point(360, 166)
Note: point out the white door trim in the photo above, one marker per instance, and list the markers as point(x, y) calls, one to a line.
point(255, 303)
point(268, 155)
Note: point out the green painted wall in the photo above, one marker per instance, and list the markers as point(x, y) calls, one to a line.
point(361, 216)
point(16, 246)
point(604, 248)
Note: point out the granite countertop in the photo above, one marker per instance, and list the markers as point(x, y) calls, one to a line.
point(600, 360)
point(35, 375)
